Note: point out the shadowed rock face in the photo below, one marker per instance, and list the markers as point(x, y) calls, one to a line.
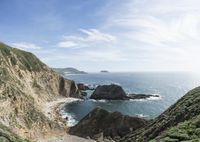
point(109, 92)
point(169, 127)
point(101, 124)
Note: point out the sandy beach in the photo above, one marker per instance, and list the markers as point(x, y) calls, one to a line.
point(51, 110)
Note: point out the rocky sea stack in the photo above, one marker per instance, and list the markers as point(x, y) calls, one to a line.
point(109, 92)
point(100, 124)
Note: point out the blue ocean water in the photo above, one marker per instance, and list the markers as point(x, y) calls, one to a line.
point(170, 87)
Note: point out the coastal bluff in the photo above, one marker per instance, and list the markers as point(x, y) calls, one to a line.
point(25, 85)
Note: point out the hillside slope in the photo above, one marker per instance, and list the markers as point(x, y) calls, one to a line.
point(25, 84)
point(64, 71)
point(181, 118)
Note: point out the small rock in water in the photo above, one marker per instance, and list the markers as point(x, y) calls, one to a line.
point(141, 96)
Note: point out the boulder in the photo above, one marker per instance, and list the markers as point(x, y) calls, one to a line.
point(101, 123)
point(109, 92)
point(84, 87)
point(83, 93)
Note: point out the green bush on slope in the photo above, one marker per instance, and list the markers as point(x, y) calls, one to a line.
point(27, 61)
point(185, 131)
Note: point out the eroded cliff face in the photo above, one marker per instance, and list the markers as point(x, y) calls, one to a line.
point(25, 84)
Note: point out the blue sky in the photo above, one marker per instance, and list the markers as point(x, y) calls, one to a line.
point(116, 35)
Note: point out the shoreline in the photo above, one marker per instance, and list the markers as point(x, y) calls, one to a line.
point(52, 111)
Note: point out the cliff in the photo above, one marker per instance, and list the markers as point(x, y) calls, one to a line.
point(25, 84)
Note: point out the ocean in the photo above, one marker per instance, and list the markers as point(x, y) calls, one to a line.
point(169, 86)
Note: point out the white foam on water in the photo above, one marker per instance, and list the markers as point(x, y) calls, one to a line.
point(138, 100)
point(154, 97)
point(71, 121)
point(142, 115)
point(93, 100)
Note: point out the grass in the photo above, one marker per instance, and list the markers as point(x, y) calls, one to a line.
point(25, 60)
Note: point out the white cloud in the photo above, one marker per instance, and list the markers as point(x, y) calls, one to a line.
point(66, 44)
point(25, 45)
point(91, 37)
point(88, 56)
point(105, 56)
point(166, 28)
point(94, 35)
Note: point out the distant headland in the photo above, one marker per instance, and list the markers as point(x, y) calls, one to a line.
point(68, 70)
point(104, 71)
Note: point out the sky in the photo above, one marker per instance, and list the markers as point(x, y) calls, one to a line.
point(114, 35)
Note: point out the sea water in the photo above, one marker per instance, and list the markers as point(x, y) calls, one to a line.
point(169, 86)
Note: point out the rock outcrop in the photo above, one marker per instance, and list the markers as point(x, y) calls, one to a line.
point(109, 92)
point(100, 124)
point(141, 96)
point(178, 123)
point(25, 84)
point(83, 87)
point(115, 92)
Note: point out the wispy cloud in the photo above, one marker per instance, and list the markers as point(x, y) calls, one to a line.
point(136, 34)
point(91, 37)
point(159, 23)
point(88, 56)
point(25, 45)
point(165, 28)
point(113, 56)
